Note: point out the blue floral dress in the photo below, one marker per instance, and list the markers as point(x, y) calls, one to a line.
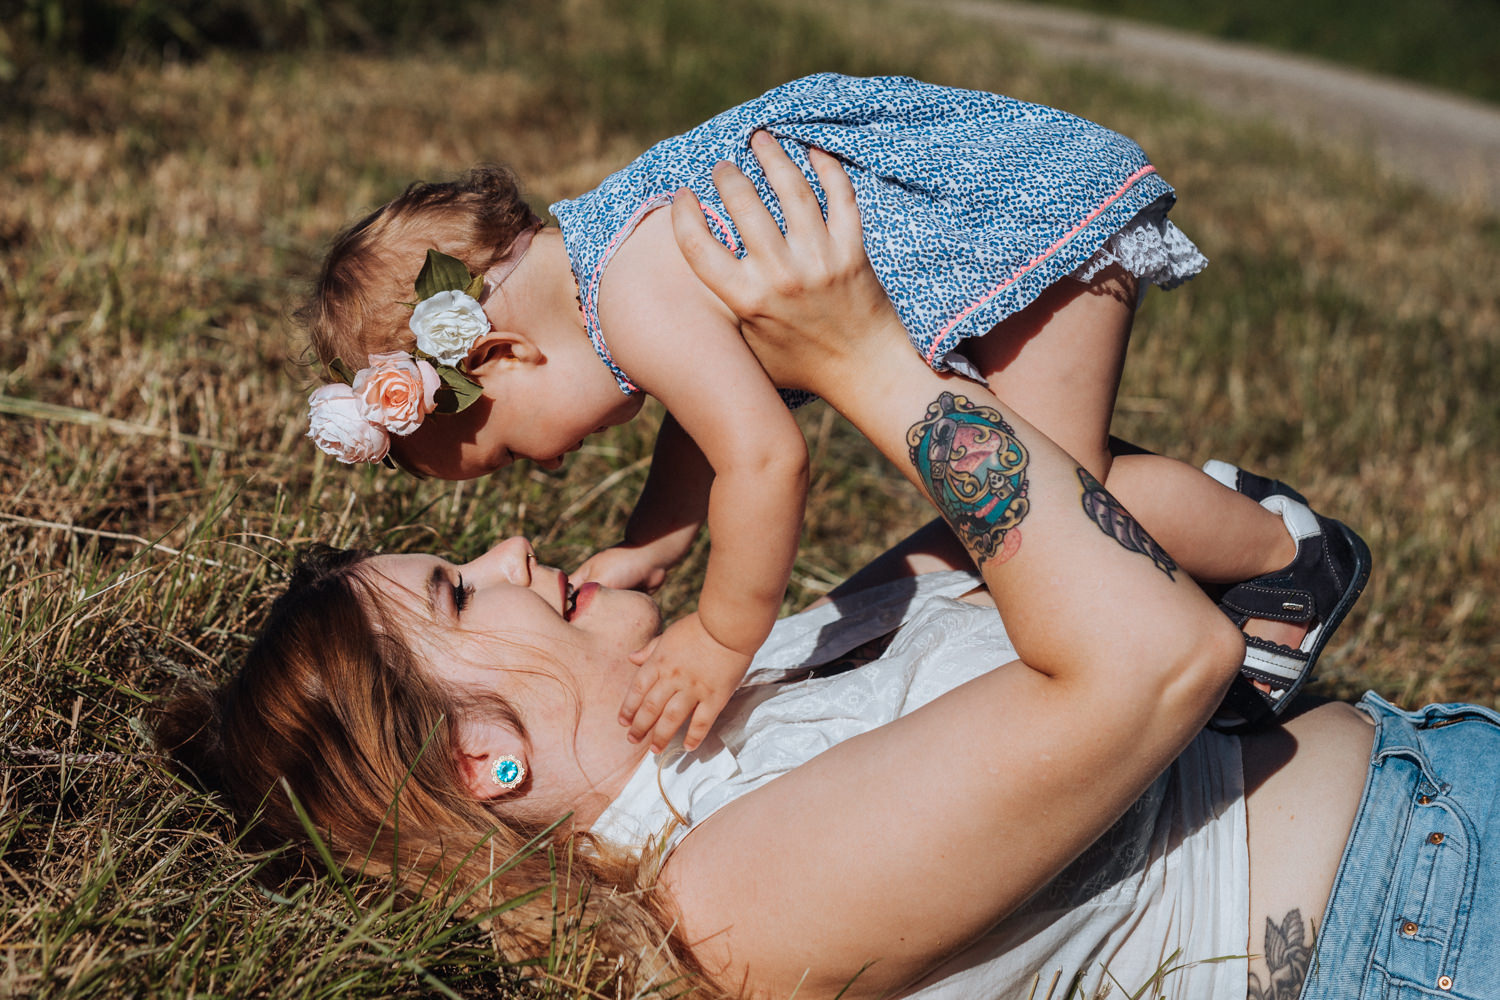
point(972, 203)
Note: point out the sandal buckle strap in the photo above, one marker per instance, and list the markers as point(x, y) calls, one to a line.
point(1257, 599)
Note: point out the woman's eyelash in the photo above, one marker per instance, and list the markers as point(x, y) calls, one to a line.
point(461, 595)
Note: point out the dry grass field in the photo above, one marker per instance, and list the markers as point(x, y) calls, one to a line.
point(159, 222)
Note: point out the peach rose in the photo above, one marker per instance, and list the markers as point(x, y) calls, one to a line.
point(337, 425)
point(396, 391)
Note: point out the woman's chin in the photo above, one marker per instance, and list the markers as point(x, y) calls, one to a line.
point(632, 611)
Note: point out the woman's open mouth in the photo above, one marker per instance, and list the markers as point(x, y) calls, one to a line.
point(574, 599)
point(578, 600)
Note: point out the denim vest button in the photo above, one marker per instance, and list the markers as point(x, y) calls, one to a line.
point(1434, 838)
point(1445, 982)
point(1409, 928)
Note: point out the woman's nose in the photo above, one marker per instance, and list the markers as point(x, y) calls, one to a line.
point(513, 559)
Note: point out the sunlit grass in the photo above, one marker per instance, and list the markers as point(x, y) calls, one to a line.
point(158, 224)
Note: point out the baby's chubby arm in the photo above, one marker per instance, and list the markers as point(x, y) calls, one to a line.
point(666, 519)
point(682, 344)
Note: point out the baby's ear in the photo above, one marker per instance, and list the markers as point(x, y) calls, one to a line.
point(501, 348)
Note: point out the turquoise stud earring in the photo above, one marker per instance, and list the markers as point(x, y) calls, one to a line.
point(508, 772)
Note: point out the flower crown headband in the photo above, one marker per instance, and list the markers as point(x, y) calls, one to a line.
point(353, 419)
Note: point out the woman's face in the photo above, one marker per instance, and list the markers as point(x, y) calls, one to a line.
point(508, 626)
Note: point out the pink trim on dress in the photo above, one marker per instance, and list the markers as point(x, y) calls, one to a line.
point(591, 295)
point(1038, 259)
point(726, 234)
point(591, 299)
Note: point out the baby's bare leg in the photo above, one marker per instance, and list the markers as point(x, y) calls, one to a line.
point(1058, 364)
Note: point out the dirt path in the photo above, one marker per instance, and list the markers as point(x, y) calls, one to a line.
point(1450, 144)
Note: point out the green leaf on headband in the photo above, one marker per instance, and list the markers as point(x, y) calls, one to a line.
point(341, 371)
point(476, 288)
point(442, 273)
point(457, 392)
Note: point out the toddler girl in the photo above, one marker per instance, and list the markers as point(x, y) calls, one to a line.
point(1012, 239)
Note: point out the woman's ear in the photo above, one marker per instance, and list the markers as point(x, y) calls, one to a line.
point(500, 348)
point(492, 761)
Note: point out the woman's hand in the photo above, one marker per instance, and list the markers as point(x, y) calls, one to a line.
point(809, 303)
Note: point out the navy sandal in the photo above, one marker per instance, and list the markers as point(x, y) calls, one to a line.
point(1317, 588)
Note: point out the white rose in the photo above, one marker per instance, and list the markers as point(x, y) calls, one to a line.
point(337, 424)
point(396, 391)
point(447, 325)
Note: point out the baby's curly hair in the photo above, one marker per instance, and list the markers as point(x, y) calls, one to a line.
point(358, 306)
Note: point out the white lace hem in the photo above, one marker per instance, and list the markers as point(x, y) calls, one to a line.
point(1149, 247)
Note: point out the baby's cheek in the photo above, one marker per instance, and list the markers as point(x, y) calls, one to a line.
point(452, 445)
point(425, 452)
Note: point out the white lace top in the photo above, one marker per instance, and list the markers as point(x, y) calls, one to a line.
point(1166, 888)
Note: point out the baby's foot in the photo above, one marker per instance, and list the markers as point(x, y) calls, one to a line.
point(1288, 616)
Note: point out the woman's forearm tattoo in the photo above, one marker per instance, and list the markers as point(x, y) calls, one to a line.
point(1115, 521)
point(974, 468)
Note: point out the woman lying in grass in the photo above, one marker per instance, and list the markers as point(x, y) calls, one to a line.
point(907, 798)
point(1014, 240)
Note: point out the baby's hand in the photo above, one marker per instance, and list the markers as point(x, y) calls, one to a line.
point(622, 567)
point(684, 671)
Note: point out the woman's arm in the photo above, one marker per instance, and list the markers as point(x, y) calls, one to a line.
point(681, 345)
point(896, 848)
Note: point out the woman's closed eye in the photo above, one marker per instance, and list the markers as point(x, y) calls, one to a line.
point(461, 595)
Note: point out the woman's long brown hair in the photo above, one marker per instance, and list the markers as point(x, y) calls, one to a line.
point(333, 711)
